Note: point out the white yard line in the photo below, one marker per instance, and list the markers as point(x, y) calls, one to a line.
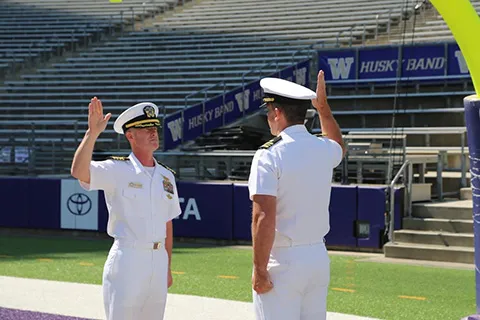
point(85, 300)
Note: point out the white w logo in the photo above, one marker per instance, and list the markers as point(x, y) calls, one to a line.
point(243, 99)
point(462, 64)
point(300, 76)
point(340, 67)
point(175, 127)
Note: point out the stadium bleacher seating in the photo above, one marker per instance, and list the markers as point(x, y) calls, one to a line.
point(308, 21)
point(207, 44)
point(163, 64)
point(428, 27)
point(34, 31)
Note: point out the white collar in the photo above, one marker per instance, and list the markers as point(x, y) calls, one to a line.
point(138, 165)
point(293, 129)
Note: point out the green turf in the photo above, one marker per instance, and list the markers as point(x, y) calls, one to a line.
point(366, 288)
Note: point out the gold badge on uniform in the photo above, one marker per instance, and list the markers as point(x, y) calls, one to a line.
point(167, 185)
point(135, 185)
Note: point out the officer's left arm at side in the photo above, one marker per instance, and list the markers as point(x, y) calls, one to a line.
point(263, 229)
point(169, 247)
point(175, 212)
point(263, 192)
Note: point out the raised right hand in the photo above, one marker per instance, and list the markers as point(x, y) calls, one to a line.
point(320, 103)
point(97, 122)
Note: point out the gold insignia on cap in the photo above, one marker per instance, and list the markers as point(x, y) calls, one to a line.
point(149, 111)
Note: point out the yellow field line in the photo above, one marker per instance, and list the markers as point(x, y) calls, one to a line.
point(343, 290)
point(413, 298)
point(178, 272)
point(227, 277)
point(86, 264)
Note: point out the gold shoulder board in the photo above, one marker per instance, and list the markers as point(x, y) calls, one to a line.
point(118, 158)
point(167, 167)
point(271, 142)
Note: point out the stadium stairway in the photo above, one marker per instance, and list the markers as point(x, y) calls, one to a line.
point(438, 231)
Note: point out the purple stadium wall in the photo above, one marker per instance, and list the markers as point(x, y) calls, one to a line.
point(209, 210)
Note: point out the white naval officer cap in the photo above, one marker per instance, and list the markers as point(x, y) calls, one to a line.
point(284, 91)
point(141, 115)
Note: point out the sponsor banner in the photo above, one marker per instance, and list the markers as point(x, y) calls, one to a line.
point(78, 207)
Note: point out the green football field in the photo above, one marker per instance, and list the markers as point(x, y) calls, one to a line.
point(382, 290)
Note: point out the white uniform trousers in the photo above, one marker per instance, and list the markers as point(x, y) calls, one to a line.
point(135, 281)
point(300, 276)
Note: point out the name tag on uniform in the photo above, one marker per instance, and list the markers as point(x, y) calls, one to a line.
point(135, 185)
point(167, 185)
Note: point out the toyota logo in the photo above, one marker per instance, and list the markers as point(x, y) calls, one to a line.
point(79, 204)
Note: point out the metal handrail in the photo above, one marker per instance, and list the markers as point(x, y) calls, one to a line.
point(205, 91)
point(258, 69)
point(389, 23)
point(311, 50)
point(407, 165)
point(350, 29)
point(308, 48)
point(255, 70)
point(205, 98)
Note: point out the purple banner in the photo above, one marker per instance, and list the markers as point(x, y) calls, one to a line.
point(209, 210)
point(343, 213)
point(381, 62)
point(242, 213)
point(219, 111)
point(456, 62)
point(206, 211)
point(30, 203)
point(15, 204)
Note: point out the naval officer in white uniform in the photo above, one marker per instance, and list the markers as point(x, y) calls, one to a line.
point(142, 199)
point(290, 184)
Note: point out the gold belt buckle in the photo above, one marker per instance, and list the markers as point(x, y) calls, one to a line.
point(156, 245)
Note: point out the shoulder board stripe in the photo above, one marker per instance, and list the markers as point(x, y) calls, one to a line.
point(271, 142)
point(118, 158)
point(166, 167)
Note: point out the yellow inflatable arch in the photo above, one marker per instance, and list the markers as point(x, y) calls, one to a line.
point(463, 21)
